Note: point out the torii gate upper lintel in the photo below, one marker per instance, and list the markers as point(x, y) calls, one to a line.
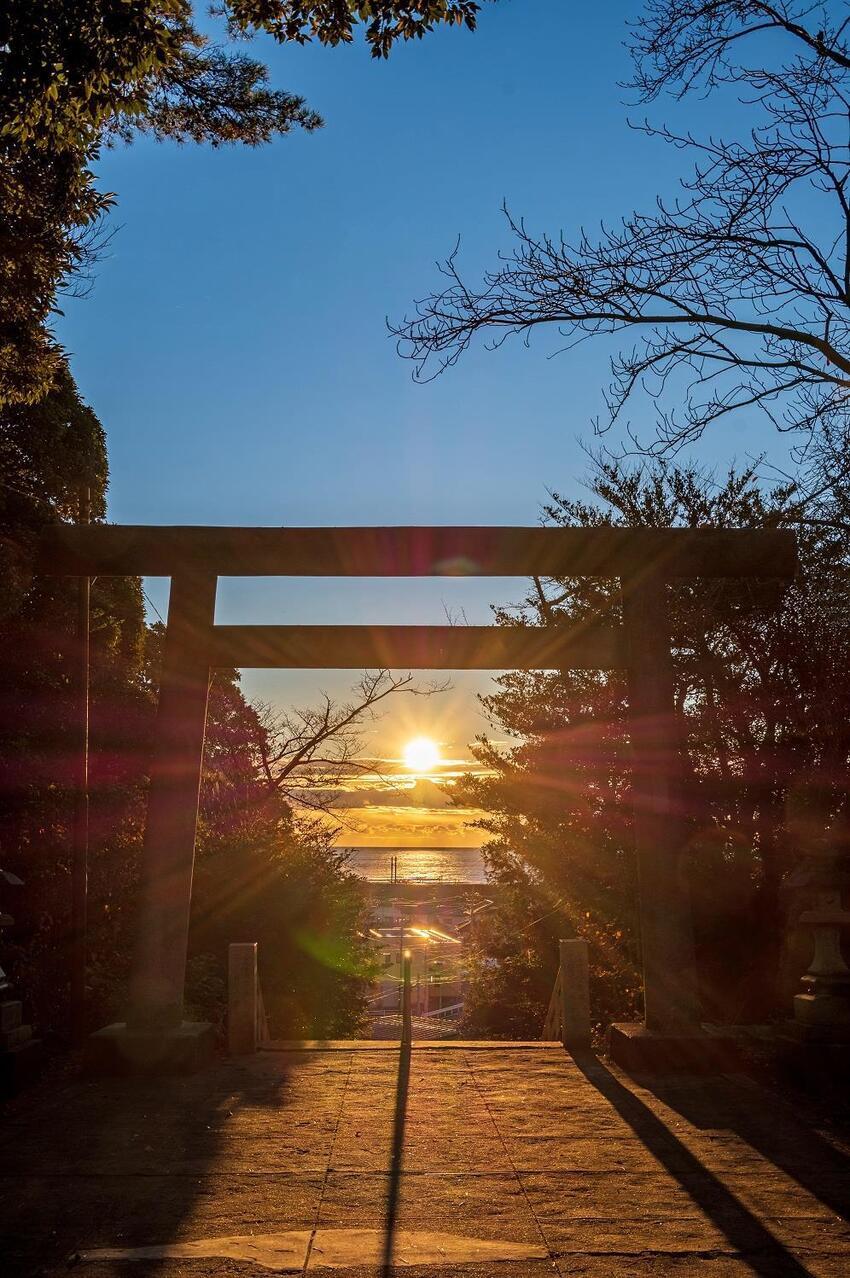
point(194, 557)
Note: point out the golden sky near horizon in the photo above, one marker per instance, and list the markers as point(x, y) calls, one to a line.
point(390, 801)
point(404, 794)
point(397, 813)
point(396, 804)
point(423, 749)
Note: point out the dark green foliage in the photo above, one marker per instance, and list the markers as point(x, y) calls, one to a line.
point(263, 875)
point(48, 209)
point(281, 883)
point(514, 952)
point(76, 73)
point(763, 695)
point(334, 21)
point(49, 452)
point(73, 67)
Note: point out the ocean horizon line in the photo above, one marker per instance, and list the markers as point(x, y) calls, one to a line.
point(433, 864)
point(410, 847)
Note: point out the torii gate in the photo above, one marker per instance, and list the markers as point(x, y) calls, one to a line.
point(194, 557)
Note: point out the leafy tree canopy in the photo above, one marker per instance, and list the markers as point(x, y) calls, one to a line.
point(77, 73)
point(49, 451)
point(71, 67)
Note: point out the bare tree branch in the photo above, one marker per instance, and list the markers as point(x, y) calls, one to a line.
point(307, 755)
point(738, 290)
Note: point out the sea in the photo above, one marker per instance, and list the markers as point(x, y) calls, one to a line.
point(419, 865)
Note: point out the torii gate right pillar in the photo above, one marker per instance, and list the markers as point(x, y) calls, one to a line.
point(670, 995)
point(671, 1036)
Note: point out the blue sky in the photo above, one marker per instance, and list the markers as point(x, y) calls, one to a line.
point(234, 342)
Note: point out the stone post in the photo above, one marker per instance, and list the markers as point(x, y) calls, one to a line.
point(575, 995)
point(242, 998)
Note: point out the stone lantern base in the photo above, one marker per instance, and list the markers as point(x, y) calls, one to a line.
point(821, 1018)
point(821, 882)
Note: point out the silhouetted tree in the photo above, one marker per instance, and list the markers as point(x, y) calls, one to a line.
point(308, 754)
point(763, 699)
point(734, 295)
point(48, 452)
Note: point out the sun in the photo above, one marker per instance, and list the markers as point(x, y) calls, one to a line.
point(421, 754)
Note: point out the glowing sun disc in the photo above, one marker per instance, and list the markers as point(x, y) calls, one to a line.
point(421, 754)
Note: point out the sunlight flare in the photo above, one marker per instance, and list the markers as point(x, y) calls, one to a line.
point(421, 754)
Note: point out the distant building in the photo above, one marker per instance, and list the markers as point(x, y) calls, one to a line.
point(437, 967)
point(431, 923)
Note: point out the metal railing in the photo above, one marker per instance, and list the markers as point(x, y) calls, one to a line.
point(247, 1024)
point(552, 1023)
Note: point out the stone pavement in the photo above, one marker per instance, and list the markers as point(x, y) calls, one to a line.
point(518, 1162)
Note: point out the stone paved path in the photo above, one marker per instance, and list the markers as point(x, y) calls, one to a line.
point(593, 1173)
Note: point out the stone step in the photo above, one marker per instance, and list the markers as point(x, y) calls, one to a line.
point(11, 1014)
point(13, 1037)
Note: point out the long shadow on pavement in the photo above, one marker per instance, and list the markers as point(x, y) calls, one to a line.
point(748, 1235)
point(779, 1133)
point(399, 1125)
point(124, 1162)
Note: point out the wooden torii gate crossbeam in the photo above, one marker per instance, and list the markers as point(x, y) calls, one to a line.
point(643, 559)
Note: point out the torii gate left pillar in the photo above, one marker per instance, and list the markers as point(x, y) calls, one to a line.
point(155, 1034)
